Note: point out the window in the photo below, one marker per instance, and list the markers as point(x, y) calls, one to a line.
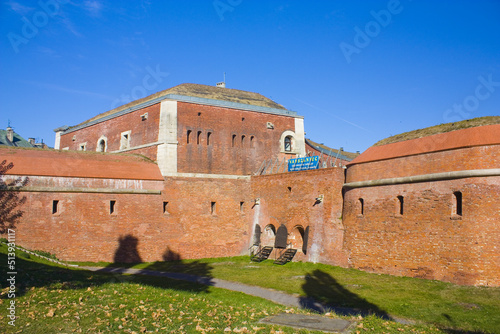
point(233, 141)
point(165, 208)
point(83, 147)
point(457, 203)
point(289, 189)
point(188, 136)
point(243, 141)
point(361, 206)
point(209, 134)
point(125, 140)
point(242, 204)
point(55, 207)
point(288, 143)
point(101, 145)
point(112, 206)
point(400, 203)
point(252, 144)
point(198, 138)
point(213, 208)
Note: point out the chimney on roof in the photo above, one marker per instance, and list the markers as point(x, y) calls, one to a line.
point(221, 84)
point(10, 134)
point(31, 141)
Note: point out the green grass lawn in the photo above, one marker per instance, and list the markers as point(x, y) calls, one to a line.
point(448, 306)
point(54, 299)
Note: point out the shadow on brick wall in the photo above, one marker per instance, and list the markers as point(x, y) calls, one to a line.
point(37, 273)
point(188, 271)
point(127, 251)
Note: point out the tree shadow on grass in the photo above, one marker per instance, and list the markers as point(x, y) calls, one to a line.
point(325, 294)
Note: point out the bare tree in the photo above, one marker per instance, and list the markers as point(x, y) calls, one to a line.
point(10, 198)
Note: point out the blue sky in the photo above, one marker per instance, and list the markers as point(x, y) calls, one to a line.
point(358, 71)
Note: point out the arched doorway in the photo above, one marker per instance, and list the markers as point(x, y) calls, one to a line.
point(268, 235)
point(296, 237)
point(281, 237)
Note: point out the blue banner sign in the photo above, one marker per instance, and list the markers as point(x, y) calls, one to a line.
point(307, 163)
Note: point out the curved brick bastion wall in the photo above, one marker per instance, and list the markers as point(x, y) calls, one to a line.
point(427, 207)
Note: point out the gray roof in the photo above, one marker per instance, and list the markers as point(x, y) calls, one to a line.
point(18, 140)
point(344, 155)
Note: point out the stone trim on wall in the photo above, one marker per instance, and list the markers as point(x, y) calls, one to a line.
point(425, 178)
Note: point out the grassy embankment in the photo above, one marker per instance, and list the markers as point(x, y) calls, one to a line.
point(55, 299)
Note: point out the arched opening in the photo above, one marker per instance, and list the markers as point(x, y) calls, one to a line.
point(281, 237)
point(188, 136)
point(268, 235)
point(400, 205)
point(361, 206)
point(296, 237)
point(252, 143)
point(101, 145)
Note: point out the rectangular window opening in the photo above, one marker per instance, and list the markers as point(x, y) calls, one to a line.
point(242, 206)
point(458, 203)
point(55, 207)
point(125, 140)
point(213, 208)
point(233, 141)
point(165, 208)
point(112, 205)
point(362, 206)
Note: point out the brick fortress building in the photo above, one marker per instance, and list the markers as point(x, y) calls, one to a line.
point(198, 171)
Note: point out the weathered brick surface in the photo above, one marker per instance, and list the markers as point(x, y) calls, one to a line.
point(290, 199)
point(219, 156)
point(469, 158)
point(428, 240)
point(83, 229)
point(142, 132)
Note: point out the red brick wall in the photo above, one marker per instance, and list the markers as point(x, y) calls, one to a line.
point(427, 241)
point(478, 157)
point(290, 199)
point(84, 229)
point(219, 156)
point(142, 132)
